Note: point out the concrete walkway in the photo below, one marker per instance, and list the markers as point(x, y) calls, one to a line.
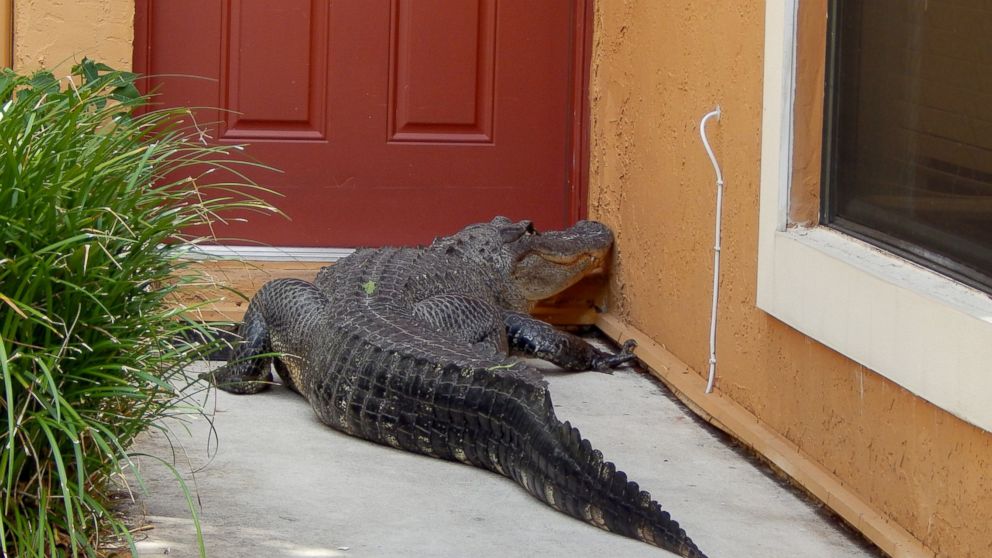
point(281, 484)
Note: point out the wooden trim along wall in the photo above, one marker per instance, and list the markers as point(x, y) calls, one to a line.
point(219, 290)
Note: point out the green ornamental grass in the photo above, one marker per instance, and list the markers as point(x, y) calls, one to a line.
point(94, 202)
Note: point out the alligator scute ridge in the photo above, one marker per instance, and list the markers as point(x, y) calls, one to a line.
point(409, 347)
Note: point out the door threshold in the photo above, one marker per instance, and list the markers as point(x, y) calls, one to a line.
point(267, 253)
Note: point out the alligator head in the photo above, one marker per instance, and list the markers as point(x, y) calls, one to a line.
point(534, 265)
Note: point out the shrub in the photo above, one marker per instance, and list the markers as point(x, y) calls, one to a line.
point(93, 204)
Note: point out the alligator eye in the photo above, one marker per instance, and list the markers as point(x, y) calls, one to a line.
point(512, 233)
point(531, 229)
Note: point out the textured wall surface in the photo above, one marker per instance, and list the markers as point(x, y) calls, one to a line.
point(657, 68)
point(58, 33)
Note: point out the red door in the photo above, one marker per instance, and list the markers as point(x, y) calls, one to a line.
point(392, 120)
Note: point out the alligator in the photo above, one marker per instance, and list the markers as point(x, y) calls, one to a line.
point(411, 348)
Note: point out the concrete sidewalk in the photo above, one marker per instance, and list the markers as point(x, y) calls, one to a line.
point(281, 484)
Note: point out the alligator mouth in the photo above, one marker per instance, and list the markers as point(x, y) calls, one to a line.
point(566, 259)
point(548, 263)
point(584, 240)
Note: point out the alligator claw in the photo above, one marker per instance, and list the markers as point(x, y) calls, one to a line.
point(608, 362)
point(223, 378)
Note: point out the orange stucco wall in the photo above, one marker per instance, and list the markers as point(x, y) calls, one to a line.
point(657, 67)
point(58, 33)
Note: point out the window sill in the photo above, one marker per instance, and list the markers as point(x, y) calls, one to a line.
point(925, 332)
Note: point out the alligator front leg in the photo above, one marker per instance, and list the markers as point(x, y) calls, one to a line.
point(535, 338)
point(470, 320)
point(247, 372)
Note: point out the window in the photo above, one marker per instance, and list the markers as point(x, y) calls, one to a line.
point(908, 154)
point(922, 330)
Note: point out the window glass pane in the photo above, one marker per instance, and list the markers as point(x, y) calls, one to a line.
point(909, 163)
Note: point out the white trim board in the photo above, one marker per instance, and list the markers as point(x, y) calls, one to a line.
point(269, 253)
point(925, 332)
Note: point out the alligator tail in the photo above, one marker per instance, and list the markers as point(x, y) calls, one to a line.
point(562, 469)
point(500, 418)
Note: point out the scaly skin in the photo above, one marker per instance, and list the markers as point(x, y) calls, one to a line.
point(408, 347)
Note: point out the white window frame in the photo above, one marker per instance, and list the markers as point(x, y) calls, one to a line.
point(925, 332)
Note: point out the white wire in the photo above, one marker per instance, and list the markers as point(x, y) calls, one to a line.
point(716, 247)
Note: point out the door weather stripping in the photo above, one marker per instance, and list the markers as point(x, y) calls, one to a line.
point(268, 253)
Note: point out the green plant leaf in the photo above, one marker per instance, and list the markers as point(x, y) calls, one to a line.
point(89, 69)
point(44, 82)
point(89, 219)
point(369, 287)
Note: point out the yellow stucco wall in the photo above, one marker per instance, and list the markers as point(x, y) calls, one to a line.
point(657, 68)
point(58, 33)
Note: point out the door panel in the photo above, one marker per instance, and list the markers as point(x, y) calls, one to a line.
point(292, 104)
point(392, 120)
point(442, 85)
